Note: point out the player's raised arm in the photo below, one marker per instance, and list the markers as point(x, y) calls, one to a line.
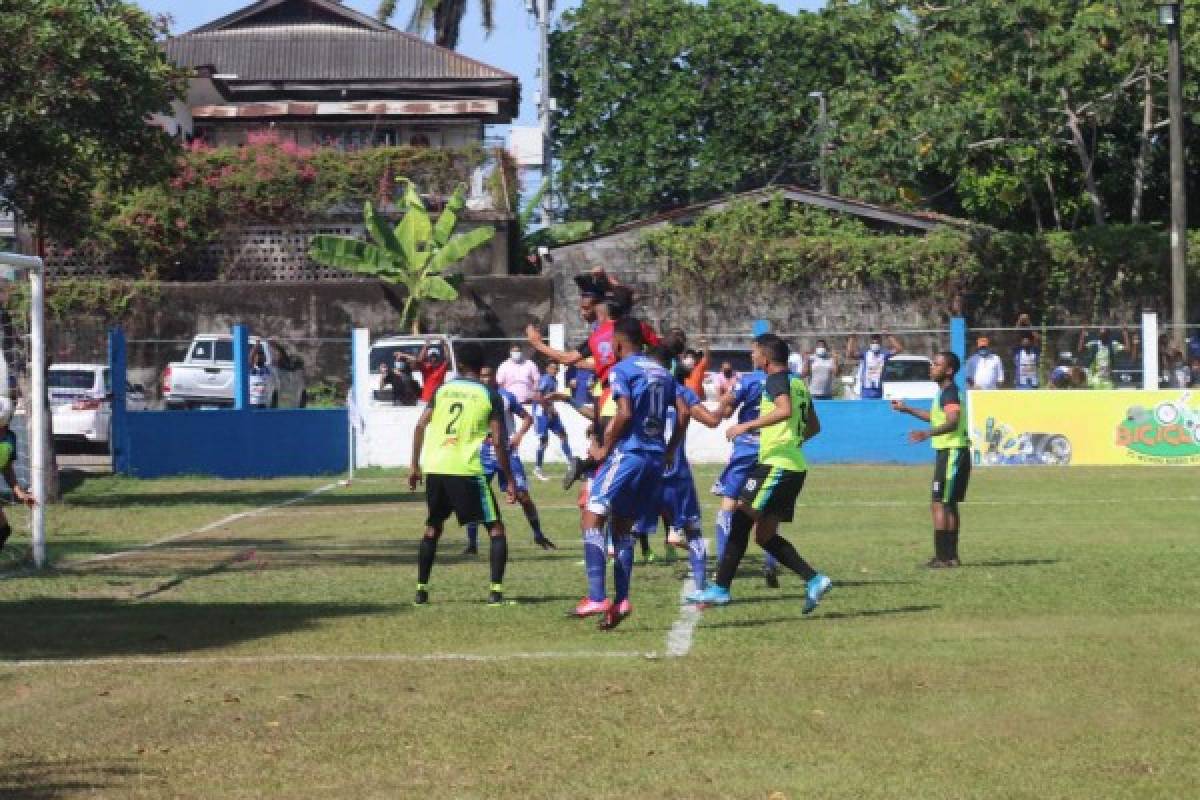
point(568, 358)
point(414, 476)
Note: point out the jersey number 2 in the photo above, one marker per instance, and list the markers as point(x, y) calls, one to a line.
point(456, 412)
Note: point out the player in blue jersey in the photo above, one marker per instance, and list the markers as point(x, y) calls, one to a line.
point(677, 502)
point(546, 418)
point(632, 452)
point(743, 399)
point(487, 454)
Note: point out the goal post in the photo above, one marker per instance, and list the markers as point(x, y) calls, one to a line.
point(13, 268)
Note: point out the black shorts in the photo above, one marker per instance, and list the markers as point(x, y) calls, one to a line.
point(468, 497)
point(951, 475)
point(773, 491)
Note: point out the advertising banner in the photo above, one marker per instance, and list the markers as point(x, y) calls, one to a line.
point(1081, 427)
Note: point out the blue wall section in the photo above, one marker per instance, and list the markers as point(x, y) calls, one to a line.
point(224, 443)
point(866, 432)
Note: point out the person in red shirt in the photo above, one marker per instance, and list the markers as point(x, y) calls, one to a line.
point(432, 365)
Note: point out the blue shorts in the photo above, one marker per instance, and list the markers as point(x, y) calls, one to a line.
point(626, 485)
point(545, 424)
point(677, 501)
point(518, 472)
point(734, 476)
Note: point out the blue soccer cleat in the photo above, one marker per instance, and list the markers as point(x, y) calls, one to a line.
point(712, 596)
point(818, 587)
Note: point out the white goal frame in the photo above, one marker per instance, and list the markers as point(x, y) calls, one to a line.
point(15, 267)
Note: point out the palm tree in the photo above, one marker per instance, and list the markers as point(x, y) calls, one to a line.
point(444, 16)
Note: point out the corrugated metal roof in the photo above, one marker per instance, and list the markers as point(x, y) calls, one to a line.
point(324, 53)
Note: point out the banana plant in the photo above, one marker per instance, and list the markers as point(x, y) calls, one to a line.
point(415, 254)
point(553, 235)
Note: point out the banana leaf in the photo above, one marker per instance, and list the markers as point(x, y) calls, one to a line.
point(350, 254)
point(459, 247)
point(380, 231)
point(433, 287)
point(449, 216)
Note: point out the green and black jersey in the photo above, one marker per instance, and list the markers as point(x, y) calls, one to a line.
point(779, 445)
point(948, 400)
point(461, 410)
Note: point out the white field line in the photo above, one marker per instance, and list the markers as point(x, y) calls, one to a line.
point(212, 526)
point(679, 638)
point(311, 658)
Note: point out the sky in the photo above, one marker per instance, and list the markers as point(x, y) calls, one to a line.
point(512, 47)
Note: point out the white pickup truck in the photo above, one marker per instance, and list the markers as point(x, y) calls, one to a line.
point(204, 379)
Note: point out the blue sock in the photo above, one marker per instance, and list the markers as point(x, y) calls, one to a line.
point(622, 567)
point(473, 535)
point(697, 556)
point(595, 561)
point(724, 520)
point(769, 562)
point(541, 451)
point(566, 448)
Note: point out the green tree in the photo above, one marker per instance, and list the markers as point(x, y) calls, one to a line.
point(78, 79)
point(415, 254)
point(668, 102)
point(443, 16)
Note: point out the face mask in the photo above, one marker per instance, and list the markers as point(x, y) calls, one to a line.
point(983, 351)
point(821, 351)
point(876, 347)
point(517, 356)
point(728, 373)
point(689, 362)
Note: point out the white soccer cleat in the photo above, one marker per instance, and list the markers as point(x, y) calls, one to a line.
point(537, 473)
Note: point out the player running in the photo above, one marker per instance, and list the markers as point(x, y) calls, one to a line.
point(948, 432)
point(786, 420)
point(546, 418)
point(745, 398)
point(460, 415)
point(631, 452)
point(487, 455)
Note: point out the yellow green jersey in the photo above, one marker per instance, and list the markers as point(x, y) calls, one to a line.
point(947, 400)
point(779, 445)
point(461, 410)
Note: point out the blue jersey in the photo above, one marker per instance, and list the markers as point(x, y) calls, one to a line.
point(650, 390)
point(680, 467)
point(511, 411)
point(747, 396)
point(547, 385)
point(584, 379)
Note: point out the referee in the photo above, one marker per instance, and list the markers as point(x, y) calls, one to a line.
point(948, 432)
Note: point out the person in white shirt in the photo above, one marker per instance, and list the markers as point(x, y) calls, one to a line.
point(820, 369)
point(518, 376)
point(985, 369)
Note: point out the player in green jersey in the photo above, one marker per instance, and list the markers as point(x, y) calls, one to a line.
point(786, 420)
point(446, 444)
point(948, 432)
point(8, 460)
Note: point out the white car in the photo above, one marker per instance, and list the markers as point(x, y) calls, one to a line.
point(205, 379)
point(905, 377)
point(81, 401)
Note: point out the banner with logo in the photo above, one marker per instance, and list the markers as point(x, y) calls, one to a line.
point(1084, 427)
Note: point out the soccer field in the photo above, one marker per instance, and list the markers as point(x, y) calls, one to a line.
point(270, 650)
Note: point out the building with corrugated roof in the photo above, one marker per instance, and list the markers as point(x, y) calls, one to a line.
point(318, 73)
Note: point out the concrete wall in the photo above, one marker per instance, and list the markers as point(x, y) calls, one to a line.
point(314, 320)
point(723, 315)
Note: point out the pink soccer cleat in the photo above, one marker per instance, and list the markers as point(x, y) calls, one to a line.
point(590, 608)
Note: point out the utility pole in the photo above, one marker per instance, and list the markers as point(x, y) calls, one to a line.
point(545, 107)
point(823, 140)
point(1170, 15)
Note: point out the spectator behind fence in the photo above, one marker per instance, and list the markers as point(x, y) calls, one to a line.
point(399, 378)
point(433, 366)
point(1100, 355)
point(518, 376)
point(820, 369)
point(984, 369)
point(1060, 376)
point(1195, 382)
point(1127, 370)
point(1181, 373)
point(1027, 356)
point(726, 378)
point(696, 362)
point(872, 361)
